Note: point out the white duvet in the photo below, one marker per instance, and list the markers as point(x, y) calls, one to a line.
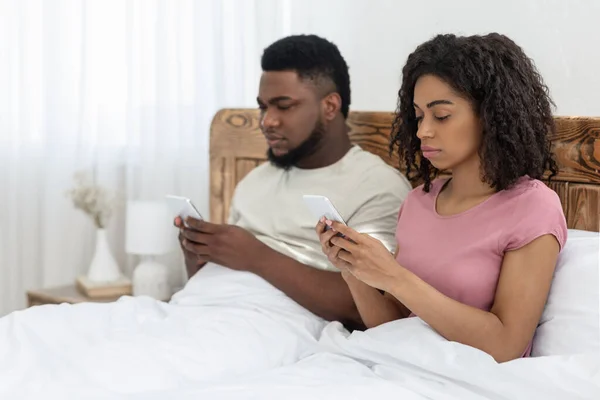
point(230, 335)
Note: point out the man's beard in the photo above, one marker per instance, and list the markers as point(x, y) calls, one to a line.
point(306, 148)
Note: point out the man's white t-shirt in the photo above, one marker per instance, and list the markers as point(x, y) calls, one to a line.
point(363, 188)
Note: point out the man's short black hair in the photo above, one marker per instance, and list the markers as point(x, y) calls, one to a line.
point(312, 57)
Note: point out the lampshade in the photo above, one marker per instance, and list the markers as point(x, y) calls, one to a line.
point(149, 229)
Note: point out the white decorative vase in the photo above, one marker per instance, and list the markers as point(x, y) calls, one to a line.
point(103, 268)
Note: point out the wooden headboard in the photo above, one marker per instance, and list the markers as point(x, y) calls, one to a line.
point(237, 146)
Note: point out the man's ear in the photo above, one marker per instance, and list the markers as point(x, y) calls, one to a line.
point(332, 103)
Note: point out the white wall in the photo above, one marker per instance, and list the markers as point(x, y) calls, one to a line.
point(376, 36)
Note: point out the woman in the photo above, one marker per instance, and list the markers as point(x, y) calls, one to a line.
point(477, 251)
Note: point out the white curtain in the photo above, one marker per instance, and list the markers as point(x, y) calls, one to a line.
point(125, 90)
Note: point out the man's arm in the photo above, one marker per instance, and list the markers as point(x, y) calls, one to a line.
point(192, 267)
point(324, 293)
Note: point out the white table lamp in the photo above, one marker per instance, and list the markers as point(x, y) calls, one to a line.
point(149, 233)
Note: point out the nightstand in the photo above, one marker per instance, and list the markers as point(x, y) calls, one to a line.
point(62, 294)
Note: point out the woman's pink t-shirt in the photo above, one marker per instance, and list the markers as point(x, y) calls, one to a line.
point(461, 255)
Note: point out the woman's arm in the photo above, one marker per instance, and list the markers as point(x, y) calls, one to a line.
point(374, 307)
point(503, 332)
point(507, 328)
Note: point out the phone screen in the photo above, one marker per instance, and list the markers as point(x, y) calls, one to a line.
point(321, 206)
point(182, 207)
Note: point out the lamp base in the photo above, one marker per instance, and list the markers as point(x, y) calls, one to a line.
point(151, 278)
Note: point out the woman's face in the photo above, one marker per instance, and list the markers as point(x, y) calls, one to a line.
point(449, 130)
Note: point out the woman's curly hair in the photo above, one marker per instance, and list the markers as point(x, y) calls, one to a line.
point(507, 94)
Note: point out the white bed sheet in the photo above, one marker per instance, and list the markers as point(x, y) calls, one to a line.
point(408, 360)
point(232, 336)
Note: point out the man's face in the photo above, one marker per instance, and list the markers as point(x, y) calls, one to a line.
point(290, 118)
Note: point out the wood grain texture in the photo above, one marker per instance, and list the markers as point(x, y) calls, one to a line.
point(237, 146)
point(62, 294)
point(583, 207)
point(562, 189)
point(217, 195)
point(576, 146)
point(371, 131)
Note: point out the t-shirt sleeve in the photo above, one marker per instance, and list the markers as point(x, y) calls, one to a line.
point(537, 214)
point(377, 216)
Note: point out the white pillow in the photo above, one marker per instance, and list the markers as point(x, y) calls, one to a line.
point(570, 322)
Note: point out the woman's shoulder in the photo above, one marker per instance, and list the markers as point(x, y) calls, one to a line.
point(528, 192)
point(532, 209)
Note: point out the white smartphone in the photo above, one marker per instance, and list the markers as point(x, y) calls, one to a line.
point(321, 206)
point(183, 207)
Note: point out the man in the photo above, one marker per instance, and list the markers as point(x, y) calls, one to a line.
point(258, 284)
point(304, 97)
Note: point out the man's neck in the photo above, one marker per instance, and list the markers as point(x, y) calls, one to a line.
point(332, 148)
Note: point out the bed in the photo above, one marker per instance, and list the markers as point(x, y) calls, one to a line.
point(235, 337)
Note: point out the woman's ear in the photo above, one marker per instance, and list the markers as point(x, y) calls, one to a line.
point(332, 103)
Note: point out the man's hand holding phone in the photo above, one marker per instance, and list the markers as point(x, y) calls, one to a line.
point(193, 262)
point(226, 245)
